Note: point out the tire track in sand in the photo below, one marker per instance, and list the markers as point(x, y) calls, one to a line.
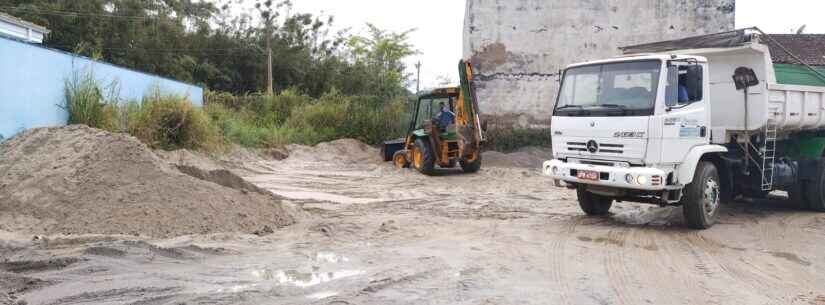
point(558, 259)
point(622, 279)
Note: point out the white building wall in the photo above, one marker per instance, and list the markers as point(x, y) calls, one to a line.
point(518, 46)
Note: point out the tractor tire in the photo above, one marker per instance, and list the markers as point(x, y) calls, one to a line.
point(593, 204)
point(399, 159)
point(815, 190)
point(423, 157)
point(471, 166)
point(701, 200)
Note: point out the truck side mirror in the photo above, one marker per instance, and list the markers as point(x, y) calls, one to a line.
point(744, 77)
point(693, 81)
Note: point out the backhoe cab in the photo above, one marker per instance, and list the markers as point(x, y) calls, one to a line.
point(444, 131)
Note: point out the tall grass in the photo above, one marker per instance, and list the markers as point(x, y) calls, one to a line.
point(171, 122)
point(159, 120)
point(289, 117)
point(254, 120)
point(90, 104)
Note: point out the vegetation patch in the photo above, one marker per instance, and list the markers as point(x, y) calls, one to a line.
point(511, 139)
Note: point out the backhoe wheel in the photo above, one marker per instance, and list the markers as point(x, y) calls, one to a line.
point(815, 190)
point(423, 157)
point(399, 159)
point(471, 165)
point(702, 197)
point(593, 204)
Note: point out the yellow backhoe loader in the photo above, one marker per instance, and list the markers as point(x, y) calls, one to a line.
point(445, 130)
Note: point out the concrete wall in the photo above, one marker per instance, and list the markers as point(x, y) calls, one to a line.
point(32, 81)
point(518, 46)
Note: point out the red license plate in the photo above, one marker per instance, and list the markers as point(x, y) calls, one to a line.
point(588, 175)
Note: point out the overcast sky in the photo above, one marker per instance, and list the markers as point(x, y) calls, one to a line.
point(439, 24)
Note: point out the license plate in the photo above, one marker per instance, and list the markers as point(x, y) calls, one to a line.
point(588, 175)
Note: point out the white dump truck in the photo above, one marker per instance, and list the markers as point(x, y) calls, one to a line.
point(693, 122)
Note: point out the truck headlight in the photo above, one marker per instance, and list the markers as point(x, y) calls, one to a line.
point(642, 180)
point(629, 178)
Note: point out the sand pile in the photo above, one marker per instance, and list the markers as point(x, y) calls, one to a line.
point(78, 180)
point(528, 157)
point(339, 151)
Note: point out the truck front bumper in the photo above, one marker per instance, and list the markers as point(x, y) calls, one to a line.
point(636, 178)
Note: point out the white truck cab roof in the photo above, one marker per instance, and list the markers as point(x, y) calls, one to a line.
point(636, 57)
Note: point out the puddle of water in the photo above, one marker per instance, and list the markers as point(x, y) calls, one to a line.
point(303, 279)
point(330, 257)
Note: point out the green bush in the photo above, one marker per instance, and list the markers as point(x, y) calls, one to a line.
point(86, 104)
point(171, 122)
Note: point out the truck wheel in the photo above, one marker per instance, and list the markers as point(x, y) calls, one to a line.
point(472, 165)
point(593, 204)
point(423, 157)
point(796, 196)
point(815, 190)
point(702, 197)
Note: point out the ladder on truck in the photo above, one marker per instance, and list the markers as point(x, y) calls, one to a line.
point(768, 153)
point(764, 157)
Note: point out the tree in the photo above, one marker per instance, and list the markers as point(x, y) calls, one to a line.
point(382, 53)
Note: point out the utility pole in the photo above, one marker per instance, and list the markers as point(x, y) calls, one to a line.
point(418, 77)
point(269, 90)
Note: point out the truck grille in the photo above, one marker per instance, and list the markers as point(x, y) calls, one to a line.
point(604, 148)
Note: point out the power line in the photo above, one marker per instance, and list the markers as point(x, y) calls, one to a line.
point(39, 11)
point(220, 50)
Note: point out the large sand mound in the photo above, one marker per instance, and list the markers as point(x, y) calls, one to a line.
point(79, 180)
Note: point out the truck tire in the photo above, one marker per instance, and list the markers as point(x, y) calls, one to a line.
point(593, 204)
point(471, 166)
point(815, 190)
point(796, 197)
point(701, 200)
point(423, 157)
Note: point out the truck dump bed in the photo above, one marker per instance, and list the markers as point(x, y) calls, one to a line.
point(791, 95)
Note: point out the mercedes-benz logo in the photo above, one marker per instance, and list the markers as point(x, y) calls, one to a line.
point(592, 146)
point(592, 124)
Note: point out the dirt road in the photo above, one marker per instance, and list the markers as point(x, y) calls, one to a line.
point(371, 234)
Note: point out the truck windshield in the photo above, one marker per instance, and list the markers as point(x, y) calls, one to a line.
point(614, 89)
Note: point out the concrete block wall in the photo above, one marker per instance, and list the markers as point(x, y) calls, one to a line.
point(519, 46)
point(32, 80)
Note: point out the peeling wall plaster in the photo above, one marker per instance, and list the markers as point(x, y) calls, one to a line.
point(519, 46)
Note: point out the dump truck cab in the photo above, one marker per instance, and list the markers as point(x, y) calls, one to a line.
point(624, 119)
point(692, 122)
point(433, 141)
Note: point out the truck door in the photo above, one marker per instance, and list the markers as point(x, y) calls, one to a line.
point(685, 123)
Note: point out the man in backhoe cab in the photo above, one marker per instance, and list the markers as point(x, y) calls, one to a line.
point(445, 117)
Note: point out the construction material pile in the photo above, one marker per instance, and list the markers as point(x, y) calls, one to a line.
point(79, 180)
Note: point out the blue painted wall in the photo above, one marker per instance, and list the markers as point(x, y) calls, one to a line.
point(32, 79)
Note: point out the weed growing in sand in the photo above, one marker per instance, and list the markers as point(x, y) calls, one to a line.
point(171, 122)
point(89, 103)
